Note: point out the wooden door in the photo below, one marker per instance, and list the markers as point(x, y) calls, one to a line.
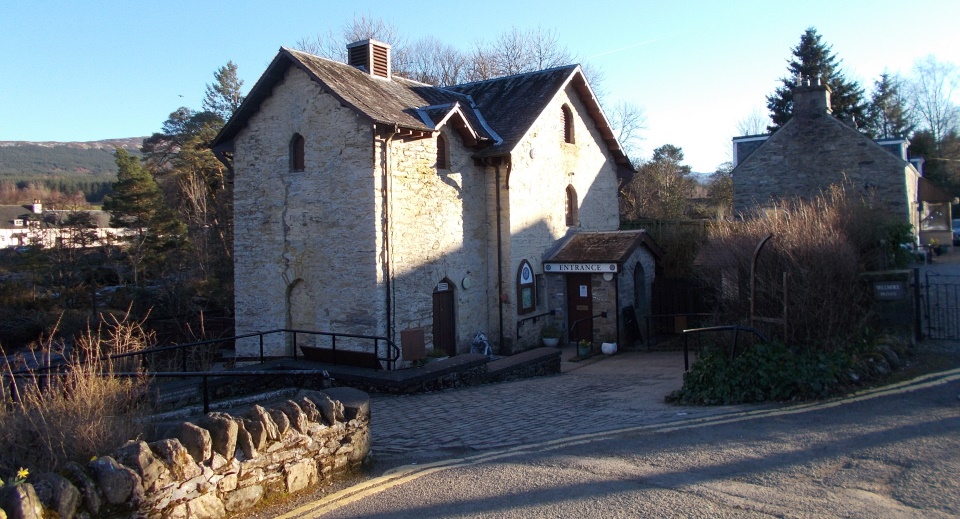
point(444, 321)
point(579, 307)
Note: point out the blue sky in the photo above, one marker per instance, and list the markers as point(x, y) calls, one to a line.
point(80, 71)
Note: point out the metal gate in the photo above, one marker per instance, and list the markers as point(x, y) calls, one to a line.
point(940, 306)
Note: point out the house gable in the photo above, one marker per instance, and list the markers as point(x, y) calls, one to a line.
point(814, 150)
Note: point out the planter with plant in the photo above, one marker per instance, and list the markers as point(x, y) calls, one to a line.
point(550, 336)
point(584, 348)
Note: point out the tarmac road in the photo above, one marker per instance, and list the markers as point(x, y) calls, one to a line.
point(889, 452)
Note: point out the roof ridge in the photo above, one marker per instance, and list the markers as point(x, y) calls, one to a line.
point(532, 72)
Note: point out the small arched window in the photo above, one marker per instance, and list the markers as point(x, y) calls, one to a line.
point(567, 120)
point(297, 162)
point(442, 157)
point(573, 208)
point(526, 289)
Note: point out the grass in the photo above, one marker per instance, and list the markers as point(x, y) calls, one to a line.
point(82, 411)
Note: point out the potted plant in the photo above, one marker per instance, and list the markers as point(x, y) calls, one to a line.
point(583, 348)
point(550, 335)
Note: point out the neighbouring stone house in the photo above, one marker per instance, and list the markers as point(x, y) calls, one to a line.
point(32, 225)
point(367, 203)
point(814, 149)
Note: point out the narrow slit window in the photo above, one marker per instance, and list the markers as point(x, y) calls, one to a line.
point(573, 209)
point(297, 162)
point(567, 120)
point(442, 160)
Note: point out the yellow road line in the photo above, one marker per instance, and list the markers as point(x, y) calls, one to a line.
point(403, 474)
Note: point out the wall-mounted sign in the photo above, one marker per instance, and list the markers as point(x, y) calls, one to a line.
point(579, 268)
point(889, 290)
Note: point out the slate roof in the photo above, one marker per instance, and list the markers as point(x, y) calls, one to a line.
point(497, 112)
point(603, 246)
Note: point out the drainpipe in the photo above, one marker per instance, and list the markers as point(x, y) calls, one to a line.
point(388, 285)
point(499, 257)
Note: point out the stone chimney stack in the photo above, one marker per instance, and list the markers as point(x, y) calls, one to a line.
point(811, 97)
point(37, 206)
point(371, 56)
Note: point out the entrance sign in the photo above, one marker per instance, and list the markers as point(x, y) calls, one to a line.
point(579, 268)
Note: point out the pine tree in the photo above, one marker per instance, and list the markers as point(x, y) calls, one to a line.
point(812, 58)
point(224, 95)
point(137, 205)
point(887, 113)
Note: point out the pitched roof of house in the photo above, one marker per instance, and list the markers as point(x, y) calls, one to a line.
point(603, 246)
point(496, 113)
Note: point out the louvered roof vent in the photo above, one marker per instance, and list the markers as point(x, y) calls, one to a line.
point(372, 56)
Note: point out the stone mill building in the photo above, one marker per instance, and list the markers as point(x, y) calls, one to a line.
point(370, 204)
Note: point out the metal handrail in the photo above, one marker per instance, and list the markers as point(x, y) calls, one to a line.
point(390, 356)
point(736, 333)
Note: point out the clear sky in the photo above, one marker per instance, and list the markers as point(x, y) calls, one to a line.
point(81, 71)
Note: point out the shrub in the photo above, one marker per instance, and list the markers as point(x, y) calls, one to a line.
point(85, 411)
point(766, 372)
point(823, 245)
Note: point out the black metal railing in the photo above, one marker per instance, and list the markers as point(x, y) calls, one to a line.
point(716, 329)
point(384, 350)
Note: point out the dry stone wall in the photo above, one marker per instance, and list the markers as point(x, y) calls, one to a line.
point(220, 465)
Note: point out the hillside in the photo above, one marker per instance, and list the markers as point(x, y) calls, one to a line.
point(65, 166)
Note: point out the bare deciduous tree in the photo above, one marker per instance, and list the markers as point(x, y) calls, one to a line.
point(628, 121)
point(753, 124)
point(930, 92)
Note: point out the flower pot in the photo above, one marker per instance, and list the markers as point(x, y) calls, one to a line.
point(583, 350)
point(551, 342)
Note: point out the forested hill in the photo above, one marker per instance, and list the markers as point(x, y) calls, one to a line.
point(64, 166)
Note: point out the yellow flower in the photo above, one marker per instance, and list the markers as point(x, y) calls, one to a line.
point(23, 473)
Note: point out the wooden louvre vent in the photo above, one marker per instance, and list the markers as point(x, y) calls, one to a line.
point(373, 56)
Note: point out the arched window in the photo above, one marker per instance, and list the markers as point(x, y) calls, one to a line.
point(526, 289)
point(442, 160)
point(573, 209)
point(567, 119)
point(296, 153)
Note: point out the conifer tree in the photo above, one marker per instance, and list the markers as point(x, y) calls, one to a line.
point(137, 205)
point(887, 114)
point(812, 58)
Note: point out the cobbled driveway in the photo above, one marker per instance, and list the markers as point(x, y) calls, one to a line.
point(601, 394)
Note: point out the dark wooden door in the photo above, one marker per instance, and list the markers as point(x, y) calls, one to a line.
point(444, 323)
point(579, 306)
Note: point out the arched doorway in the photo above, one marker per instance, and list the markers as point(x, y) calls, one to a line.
point(301, 313)
point(444, 318)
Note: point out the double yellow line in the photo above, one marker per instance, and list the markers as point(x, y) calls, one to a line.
point(401, 475)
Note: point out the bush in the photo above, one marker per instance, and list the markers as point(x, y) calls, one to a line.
point(823, 245)
point(46, 421)
point(766, 372)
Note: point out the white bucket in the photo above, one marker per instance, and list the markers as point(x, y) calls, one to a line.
point(608, 348)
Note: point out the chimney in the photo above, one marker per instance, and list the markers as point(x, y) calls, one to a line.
point(811, 97)
point(37, 206)
point(371, 56)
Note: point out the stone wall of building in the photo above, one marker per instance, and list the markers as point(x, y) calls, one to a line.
point(438, 232)
point(543, 165)
point(809, 154)
point(221, 464)
point(636, 291)
point(306, 250)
